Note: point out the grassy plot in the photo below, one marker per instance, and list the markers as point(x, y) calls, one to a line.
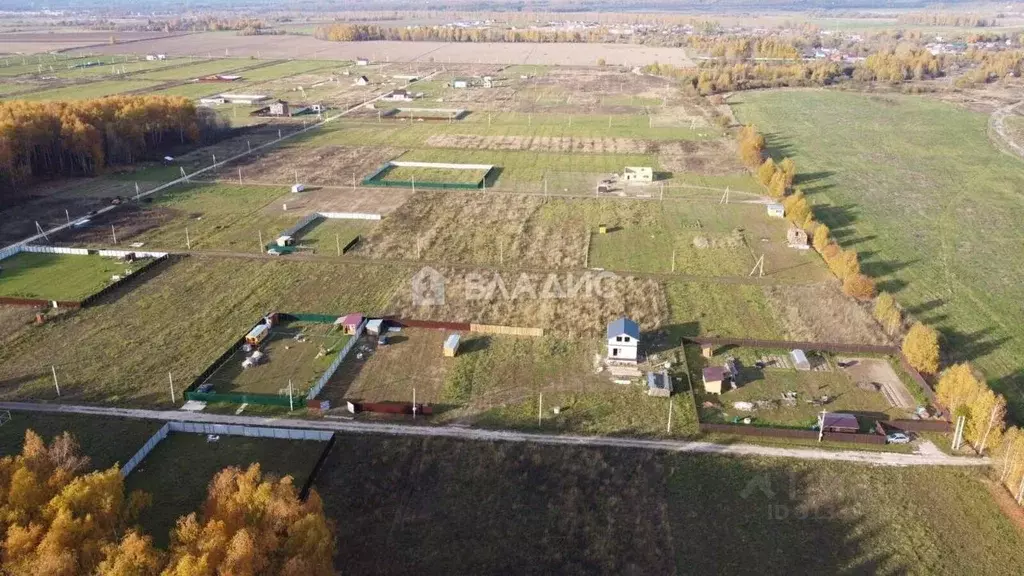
point(56, 276)
point(432, 175)
point(90, 90)
point(932, 206)
point(533, 166)
point(296, 352)
point(177, 472)
point(739, 310)
point(134, 341)
point(106, 441)
point(439, 505)
point(284, 69)
point(197, 69)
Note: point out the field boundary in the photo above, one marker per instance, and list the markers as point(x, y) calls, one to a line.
point(329, 373)
point(272, 246)
point(138, 457)
point(376, 177)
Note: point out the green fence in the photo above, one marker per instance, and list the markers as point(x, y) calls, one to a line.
point(374, 180)
point(315, 318)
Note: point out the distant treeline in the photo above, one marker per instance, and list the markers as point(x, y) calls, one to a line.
point(718, 77)
point(940, 19)
point(366, 32)
point(49, 139)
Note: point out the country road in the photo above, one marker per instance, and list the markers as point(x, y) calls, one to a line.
point(929, 456)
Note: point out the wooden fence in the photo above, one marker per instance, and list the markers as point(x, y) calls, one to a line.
point(506, 330)
point(465, 327)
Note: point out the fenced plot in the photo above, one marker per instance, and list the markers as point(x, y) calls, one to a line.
point(60, 277)
point(294, 351)
point(408, 174)
point(176, 473)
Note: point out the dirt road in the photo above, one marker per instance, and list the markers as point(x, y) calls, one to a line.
point(997, 125)
point(927, 456)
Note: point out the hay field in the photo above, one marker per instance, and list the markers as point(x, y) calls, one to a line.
point(917, 188)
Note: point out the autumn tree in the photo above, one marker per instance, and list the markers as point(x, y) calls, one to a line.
point(253, 525)
point(821, 237)
point(777, 186)
point(844, 264)
point(57, 520)
point(921, 348)
point(888, 313)
point(765, 172)
point(988, 421)
point(859, 286)
point(788, 169)
point(797, 209)
point(751, 147)
point(133, 555)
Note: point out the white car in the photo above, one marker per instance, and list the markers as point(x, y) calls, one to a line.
point(897, 438)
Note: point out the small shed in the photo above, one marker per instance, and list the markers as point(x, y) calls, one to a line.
point(800, 361)
point(776, 210)
point(707, 350)
point(374, 326)
point(283, 241)
point(714, 379)
point(451, 345)
point(349, 323)
point(362, 61)
point(296, 188)
point(279, 108)
point(400, 95)
point(257, 335)
point(458, 83)
point(362, 81)
point(839, 422)
point(659, 384)
point(797, 238)
point(638, 174)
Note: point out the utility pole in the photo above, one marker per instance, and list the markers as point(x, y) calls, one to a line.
point(112, 233)
point(540, 407)
point(68, 216)
point(171, 380)
point(188, 242)
point(673, 260)
point(239, 176)
point(291, 401)
point(55, 385)
point(137, 193)
point(669, 430)
point(337, 241)
point(413, 403)
point(260, 232)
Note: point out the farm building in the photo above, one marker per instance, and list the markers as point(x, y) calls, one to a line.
point(279, 108)
point(839, 422)
point(152, 57)
point(659, 384)
point(776, 210)
point(715, 378)
point(245, 99)
point(400, 95)
point(296, 188)
point(797, 238)
point(362, 81)
point(406, 77)
point(349, 323)
point(284, 240)
point(362, 61)
point(623, 340)
point(707, 350)
point(638, 174)
point(800, 361)
point(451, 345)
point(459, 83)
point(374, 327)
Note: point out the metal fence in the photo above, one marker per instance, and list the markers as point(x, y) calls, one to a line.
point(793, 345)
point(506, 330)
point(145, 450)
point(350, 216)
point(337, 362)
point(250, 431)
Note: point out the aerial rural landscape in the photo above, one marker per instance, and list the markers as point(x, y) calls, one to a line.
point(638, 289)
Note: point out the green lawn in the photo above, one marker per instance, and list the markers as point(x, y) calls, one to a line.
point(456, 507)
point(90, 90)
point(433, 175)
point(106, 441)
point(737, 310)
point(933, 208)
point(176, 473)
point(56, 276)
point(284, 69)
point(197, 69)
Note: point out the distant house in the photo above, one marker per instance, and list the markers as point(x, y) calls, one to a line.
point(839, 422)
point(212, 101)
point(451, 345)
point(245, 99)
point(800, 361)
point(797, 238)
point(152, 57)
point(460, 83)
point(362, 81)
point(488, 82)
point(715, 378)
point(362, 61)
point(279, 108)
point(349, 323)
point(623, 340)
point(638, 174)
point(659, 384)
point(400, 95)
point(776, 210)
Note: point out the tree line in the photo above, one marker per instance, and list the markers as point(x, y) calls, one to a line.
point(57, 139)
point(369, 32)
point(945, 19)
point(961, 389)
point(57, 519)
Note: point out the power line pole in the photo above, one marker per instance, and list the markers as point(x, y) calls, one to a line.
point(55, 385)
point(670, 415)
point(540, 407)
point(291, 401)
point(171, 380)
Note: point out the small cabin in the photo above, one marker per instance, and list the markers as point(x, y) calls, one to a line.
point(349, 323)
point(296, 188)
point(283, 241)
point(797, 238)
point(839, 422)
point(279, 108)
point(362, 81)
point(715, 379)
point(374, 327)
point(362, 61)
point(776, 210)
point(623, 340)
point(257, 335)
point(638, 174)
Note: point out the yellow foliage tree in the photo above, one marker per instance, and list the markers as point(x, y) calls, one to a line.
point(777, 186)
point(766, 172)
point(821, 237)
point(788, 168)
point(921, 348)
point(751, 147)
point(859, 286)
point(844, 264)
point(988, 419)
point(133, 555)
point(888, 313)
point(253, 525)
point(958, 387)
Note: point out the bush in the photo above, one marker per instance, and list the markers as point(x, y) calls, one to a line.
point(859, 286)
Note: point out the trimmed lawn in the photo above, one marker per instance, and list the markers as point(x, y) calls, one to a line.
point(56, 276)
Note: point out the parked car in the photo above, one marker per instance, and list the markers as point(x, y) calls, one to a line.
point(897, 438)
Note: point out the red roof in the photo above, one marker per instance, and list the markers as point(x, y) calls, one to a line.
point(353, 319)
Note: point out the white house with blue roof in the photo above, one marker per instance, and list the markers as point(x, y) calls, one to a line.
point(623, 340)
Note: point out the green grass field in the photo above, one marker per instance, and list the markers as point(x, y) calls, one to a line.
point(284, 70)
point(106, 441)
point(930, 204)
point(135, 340)
point(448, 506)
point(197, 69)
point(432, 175)
point(56, 276)
point(176, 473)
point(738, 310)
point(89, 90)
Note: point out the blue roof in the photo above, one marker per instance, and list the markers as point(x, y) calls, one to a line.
point(623, 326)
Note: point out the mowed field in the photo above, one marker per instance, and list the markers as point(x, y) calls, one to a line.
point(446, 506)
point(56, 276)
point(933, 208)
